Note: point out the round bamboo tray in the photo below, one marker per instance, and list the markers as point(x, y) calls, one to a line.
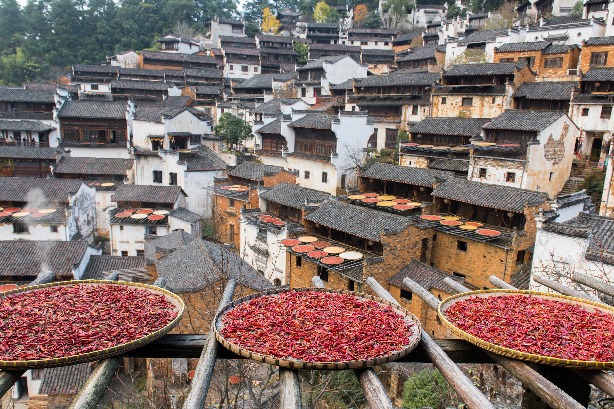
point(299, 364)
point(103, 353)
point(513, 353)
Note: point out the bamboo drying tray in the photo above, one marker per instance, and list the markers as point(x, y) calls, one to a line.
point(300, 364)
point(513, 353)
point(103, 353)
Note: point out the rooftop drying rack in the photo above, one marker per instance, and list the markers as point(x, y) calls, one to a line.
point(444, 354)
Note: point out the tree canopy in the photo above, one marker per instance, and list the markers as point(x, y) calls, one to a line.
point(232, 129)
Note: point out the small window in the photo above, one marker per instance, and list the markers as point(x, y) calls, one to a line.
point(277, 282)
point(467, 102)
point(124, 254)
point(443, 100)
point(520, 257)
point(406, 295)
point(53, 229)
point(494, 100)
point(350, 285)
point(121, 228)
point(414, 109)
point(299, 261)
point(151, 230)
point(244, 68)
point(140, 253)
point(551, 176)
point(324, 177)
point(510, 177)
point(157, 176)
point(435, 237)
point(553, 62)
point(231, 202)
point(506, 60)
point(307, 174)
point(36, 374)
point(599, 59)
point(94, 87)
point(21, 228)
point(255, 69)
point(461, 245)
point(172, 178)
point(585, 111)
point(482, 173)
point(455, 274)
point(606, 112)
point(364, 43)
point(323, 273)
point(303, 92)
point(231, 67)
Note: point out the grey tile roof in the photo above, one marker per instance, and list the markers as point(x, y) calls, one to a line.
point(524, 120)
point(600, 41)
point(185, 215)
point(26, 95)
point(99, 266)
point(27, 115)
point(233, 39)
point(599, 74)
point(377, 52)
point(146, 85)
point(558, 49)
point(26, 152)
point(319, 63)
point(146, 193)
point(501, 68)
point(449, 126)
point(498, 151)
point(178, 57)
point(421, 53)
point(112, 69)
point(553, 90)
point(287, 194)
point(233, 21)
point(154, 112)
point(492, 196)
point(404, 174)
point(201, 160)
point(408, 37)
point(166, 244)
point(346, 85)
point(273, 127)
point(282, 51)
point(254, 171)
point(264, 80)
point(357, 220)
point(208, 89)
point(452, 165)
point(93, 166)
point(274, 105)
point(486, 36)
point(428, 277)
point(17, 189)
point(93, 109)
point(65, 380)
point(23, 125)
point(372, 31)
point(275, 38)
point(399, 78)
point(203, 73)
point(315, 120)
point(29, 258)
point(518, 47)
point(241, 51)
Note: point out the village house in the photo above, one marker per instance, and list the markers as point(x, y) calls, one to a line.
point(316, 77)
point(606, 207)
point(143, 90)
point(144, 211)
point(393, 102)
point(47, 209)
point(478, 90)
point(369, 38)
point(172, 44)
point(94, 74)
point(322, 33)
point(262, 88)
point(431, 36)
point(276, 53)
point(96, 128)
point(240, 191)
point(158, 60)
point(429, 57)
point(205, 98)
point(220, 26)
point(525, 149)
point(477, 46)
point(565, 31)
point(591, 110)
point(126, 59)
point(319, 50)
point(404, 41)
point(600, 10)
point(241, 57)
point(28, 161)
point(275, 108)
point(582, 244)
point(548, 95)
point(549, 61)
point(378, 61)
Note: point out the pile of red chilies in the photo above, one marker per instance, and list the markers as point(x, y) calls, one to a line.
point(316, 326)
point(537, 326)
point(75, 319)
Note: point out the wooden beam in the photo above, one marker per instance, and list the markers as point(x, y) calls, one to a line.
point(563, 289)
point(206, 363)
point(497, 282)
point(593, 283)
point(290, 389)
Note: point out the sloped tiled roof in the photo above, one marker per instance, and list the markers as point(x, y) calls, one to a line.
point(29, 258)
point(178, 57)
point(93, 109)
point(421, 53)
point(23, 189)
point(26, 152)
point(451, 165)
point(254, 171)
point(449, 126)
point(501, 68)
point(599, 74)
point(147, 85)
point(185, 215)
point(273, 127)
point(264, 80)
point(23, 125)
point(287, 194)
point(99, 266)
point(26, 95)
point(315, 120)
point(346, 85)
point(241, 51)
point(600, 41)
point(428, 277)
point(64, 380)
point(524, 120)
point(399, 78)
point(486, 36)
point(526, 46)
point(203, 159)
point(558, 49)
point(93, 166)
point(146, 193)
point(319, 63)
point(554, 90)
point(208, 89)
point(357, 220)
point(404, 174)
point(274, 105)
point(492, 196)
point(168, 243)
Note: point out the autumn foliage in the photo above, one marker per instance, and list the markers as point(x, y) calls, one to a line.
point(270, 24)
point(360, 14)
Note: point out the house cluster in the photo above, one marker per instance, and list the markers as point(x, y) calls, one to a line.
point(450, 152)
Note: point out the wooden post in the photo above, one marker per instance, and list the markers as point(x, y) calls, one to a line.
point(206, 363)
point(593, 283)
point(290, 394)
point(563, 289)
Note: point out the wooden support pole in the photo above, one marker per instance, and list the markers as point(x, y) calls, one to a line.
point(563, 289)
point(463, 386)
point(593, 283)
point(497, 282)
point(206, 363)
point(290, 389)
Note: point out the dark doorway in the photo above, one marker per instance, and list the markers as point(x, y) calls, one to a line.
point(595, 150)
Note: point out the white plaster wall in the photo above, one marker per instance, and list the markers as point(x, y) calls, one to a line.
point(37, 232)
point(80, 269)
point(592, 122)
point(103, 205)
point(142, 129)
point(575, 34)
point(315, 169)
point(103, 88)
point(496, 170)
point(127, 60)
point(131, 238)
point(607, 199)
point(236, 72)
point(569, 212)
point(99, 152)
point(275, 267)
point(342, 71)
point(81, 214)
point(353, 133)
point(186, 122)
point(199, 188)
point(187, 48)
point(176, 224)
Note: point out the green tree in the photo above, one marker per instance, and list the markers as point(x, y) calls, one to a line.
point(232, 129)
point(302, 49)
point(15, 69)
point(321, 12)
point(397, 10)
point(252, 10)
point(10, 24)
point(427, 388)
point(577, 10)
point(373, 20)
point(333, 16)
point(251, 29)
point(454, 10)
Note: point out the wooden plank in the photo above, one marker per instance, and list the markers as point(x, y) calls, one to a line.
point(563, 289)
point(290, 389)
point(593, 283)
point(206, 363)
point(463, 386)
point(497, 282)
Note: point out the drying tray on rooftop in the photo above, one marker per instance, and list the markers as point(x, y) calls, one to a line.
point(299, 364)
point(513, 353)
point(103, 353)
